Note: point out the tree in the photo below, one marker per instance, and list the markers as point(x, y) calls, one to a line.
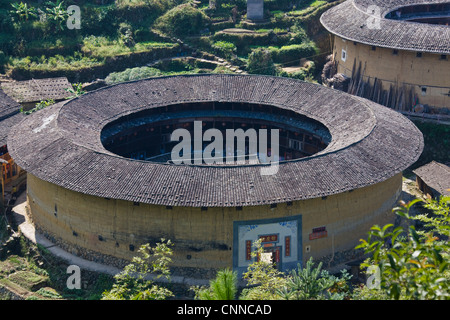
point(413, 264)
point(22, 11)
point(312, 283)
point(223, 287)
point(260, 62)
point(264, 279)
point(135, 283)
point(181, 21)
point(76, 90)
point(56, 13)
point(309, 283)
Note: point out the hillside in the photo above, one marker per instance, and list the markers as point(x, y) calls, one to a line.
point(158, 37)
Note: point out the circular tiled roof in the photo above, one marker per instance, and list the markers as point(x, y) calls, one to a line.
point(364, 21)
point(62, 144)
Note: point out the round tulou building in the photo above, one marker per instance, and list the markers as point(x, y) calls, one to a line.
point(395, 53)
point(102, 181)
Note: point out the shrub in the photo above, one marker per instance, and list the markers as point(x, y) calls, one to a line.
point(293, 53)
point(40, 105)
point(244, 39)
point(260, 62)
point(415, 267)
point(132, 283)
point(224, 48)
point(223, 287)
point(182, 20)
point(125, 34)
point(2, 58)
point(132, 74)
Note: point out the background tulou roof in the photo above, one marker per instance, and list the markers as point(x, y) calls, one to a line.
point(61, 144)
point(436, 175)
point(10, 115)
point(354, 20)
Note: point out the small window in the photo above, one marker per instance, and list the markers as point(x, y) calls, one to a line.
point(443, 57)
point(395, 52)
point(374, 48)
point(419, 54)
point(424, 91)
point(344, 55)
point(295, 144)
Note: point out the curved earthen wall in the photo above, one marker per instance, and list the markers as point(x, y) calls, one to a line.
point(108, 230)
point(428, 73)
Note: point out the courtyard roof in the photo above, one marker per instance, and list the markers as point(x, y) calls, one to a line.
point(436, 175)
point(364, 21)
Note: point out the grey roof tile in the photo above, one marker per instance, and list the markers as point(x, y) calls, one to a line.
point(370, 143)
point(351, 20)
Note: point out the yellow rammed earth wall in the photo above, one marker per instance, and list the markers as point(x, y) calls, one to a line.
point(400, 67)
point(203, 239)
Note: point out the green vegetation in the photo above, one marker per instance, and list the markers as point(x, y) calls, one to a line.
point(260, 61)
point(223, 287)
point(167, 68)
point(101, 47)
point(76, 90)
point(412, 264)
point(3, 229)
point(35, 274)
point(116, 35)
point(133, 282)
point(40, 105)
point(121, 40)
point(267, 283)
point(436, 142)
point(35, 41)
point(224, 48)
point(132, 74)
point(182, 20)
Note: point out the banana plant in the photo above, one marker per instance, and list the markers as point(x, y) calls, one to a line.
point(22, 11)
point(56, 12)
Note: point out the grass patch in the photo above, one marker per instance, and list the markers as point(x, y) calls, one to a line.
point(54, 63)
point(11, 264)
point(48, 292)
point(14, 287)
point(21, 274)
point(307, 9)
point(28, 280)
point(102, 47)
